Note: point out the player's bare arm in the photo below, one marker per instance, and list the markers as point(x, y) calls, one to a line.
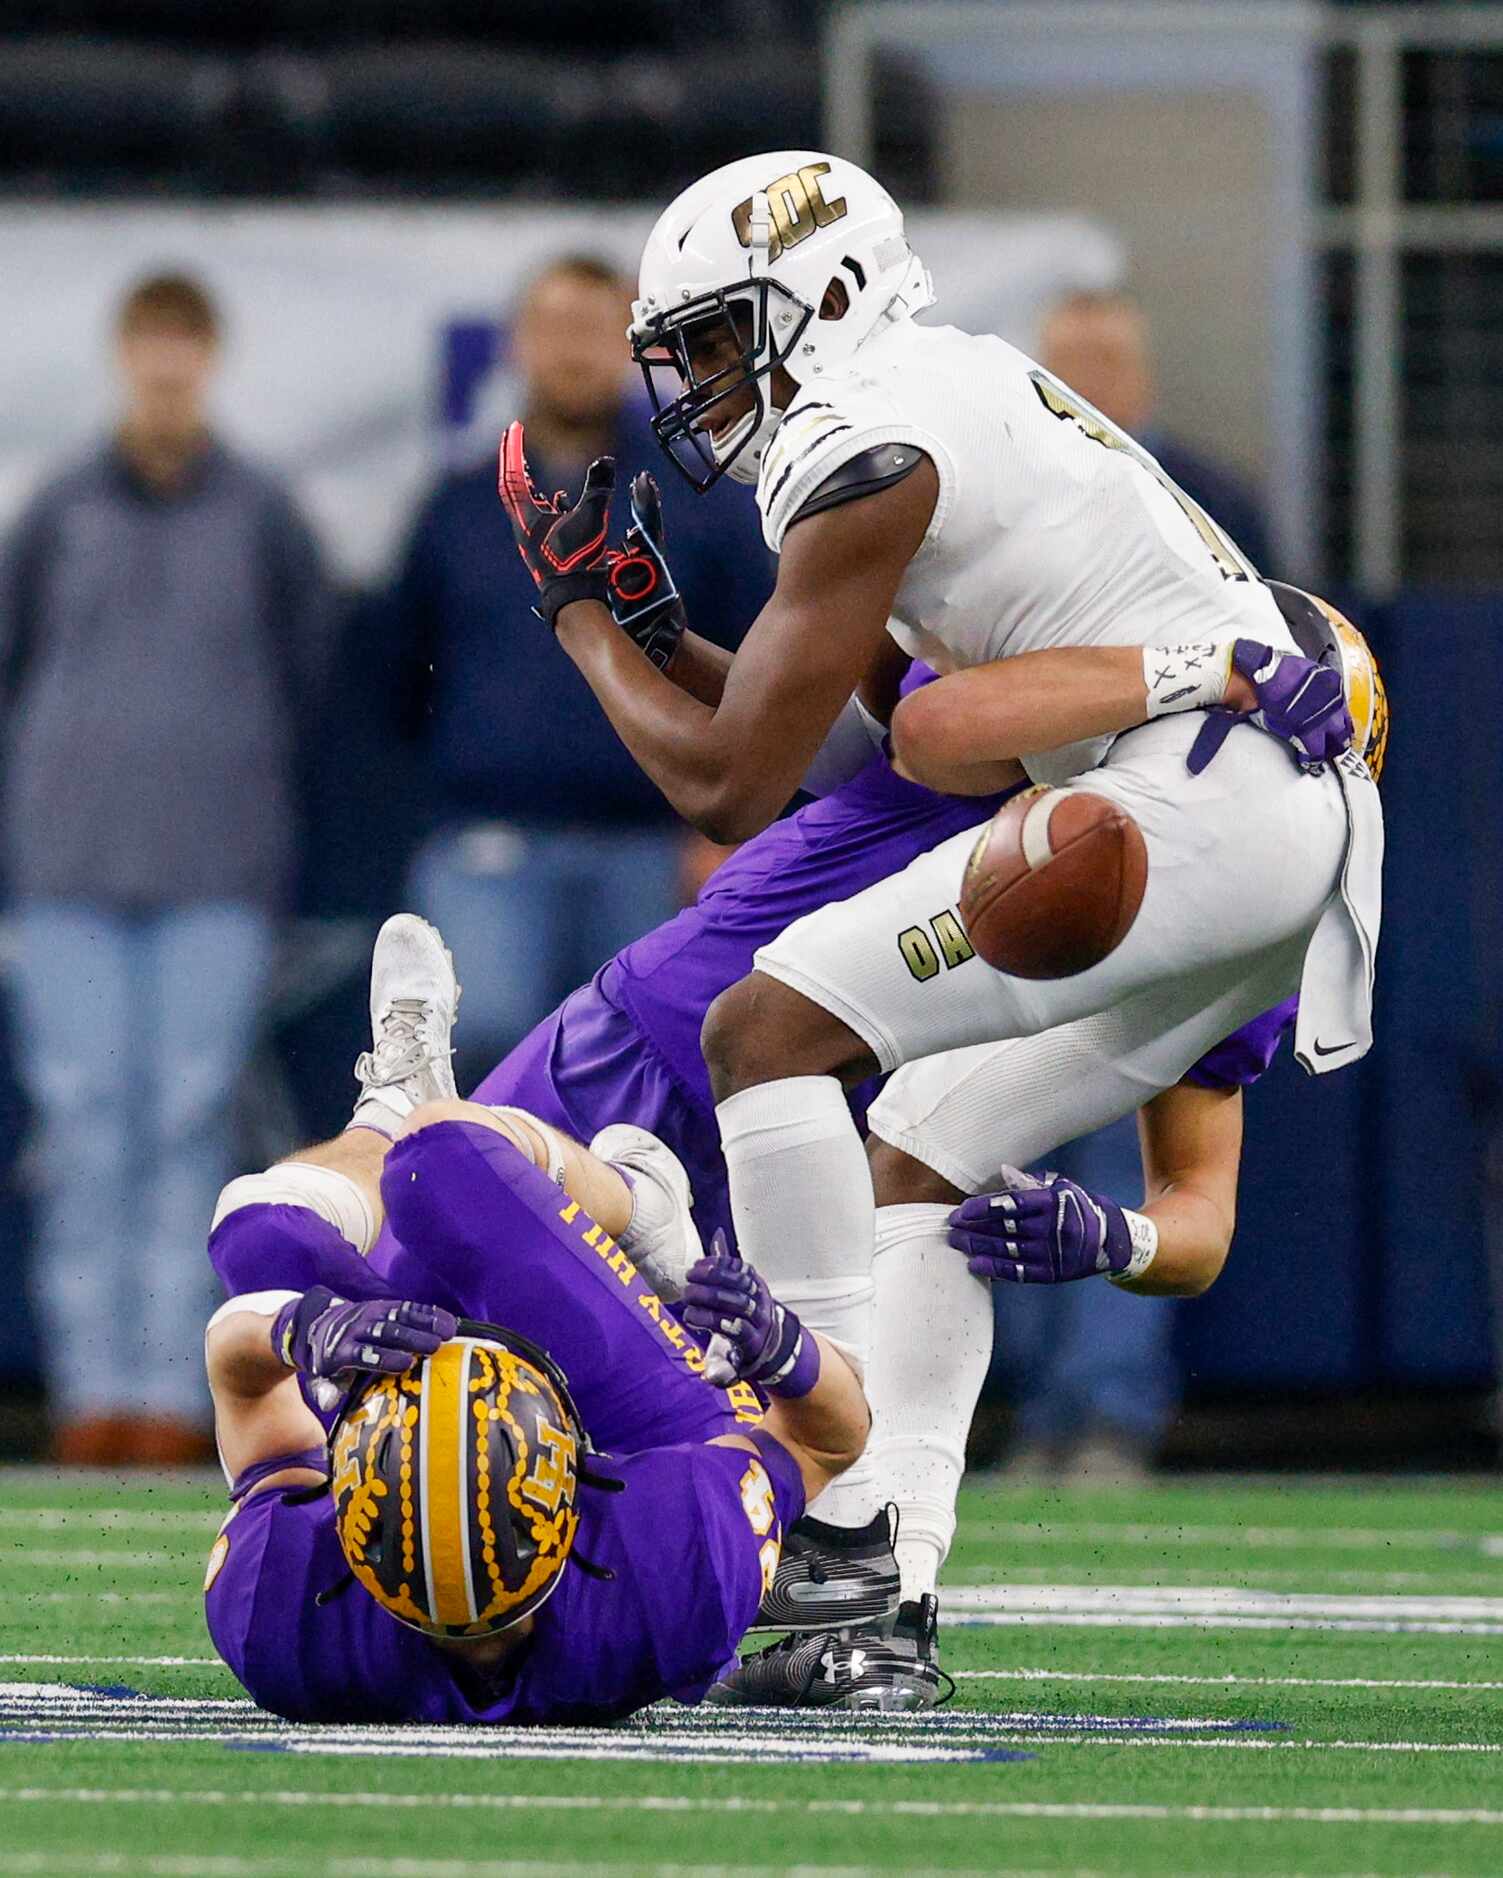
point(731, 768)
point(1192, 1149)
point(964, 734)
point(259, 1412)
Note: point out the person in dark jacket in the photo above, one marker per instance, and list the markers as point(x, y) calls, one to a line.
point(550, 849)
point(163, 626)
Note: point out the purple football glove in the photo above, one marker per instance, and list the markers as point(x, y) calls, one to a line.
point(753, 1338)
point(325, 1337)
point(1045, 1232)
point(1300, 702)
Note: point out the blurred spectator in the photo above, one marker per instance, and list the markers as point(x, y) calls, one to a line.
point(1100, 345)
point(551, 850)
point(162, 620)
point(1090, 1369)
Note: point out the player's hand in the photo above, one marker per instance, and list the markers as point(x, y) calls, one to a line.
point(325, 1337)
point(562, 544)
point(644, 600)
point(753, 1337)
point(1044, 1232)
point(1300, 702)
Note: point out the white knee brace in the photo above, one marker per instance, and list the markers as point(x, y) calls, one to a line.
point(333, 1196)
point(552, 1146)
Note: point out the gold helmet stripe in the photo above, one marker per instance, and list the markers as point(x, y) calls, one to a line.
point(446, 1508)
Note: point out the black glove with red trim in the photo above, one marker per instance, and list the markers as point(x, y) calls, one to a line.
point(562, 544)
point(644, 600)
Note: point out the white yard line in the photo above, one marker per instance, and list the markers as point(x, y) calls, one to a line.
point(185, 1596)
point(294, 1798)
point(236, 1865)
point(1168, 1620)
point(116, 1662)
point(1212, 1682)
point(1377, 1581)
point(1064, 1531)
point(81, 1520)
point(1219, 1607)
point(78, 1558)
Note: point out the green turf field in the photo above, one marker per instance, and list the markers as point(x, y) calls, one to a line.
point(1200, 1678)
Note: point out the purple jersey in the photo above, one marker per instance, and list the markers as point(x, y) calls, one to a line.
point(1242, 1058)
point(690, 1544)
point(474, 1226)
point(625, 1047)
point(690, 1541)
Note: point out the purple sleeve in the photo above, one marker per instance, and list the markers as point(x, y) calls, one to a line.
point(1242, 1058)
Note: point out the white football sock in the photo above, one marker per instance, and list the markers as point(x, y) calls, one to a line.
point(932, 1345)
point(801, 1194)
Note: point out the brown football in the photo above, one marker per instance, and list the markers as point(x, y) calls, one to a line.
point(1053, 883)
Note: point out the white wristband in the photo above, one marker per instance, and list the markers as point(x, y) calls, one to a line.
point(1145, 1246)
point(1186, 678)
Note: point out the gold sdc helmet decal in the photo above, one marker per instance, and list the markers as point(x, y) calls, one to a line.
point(454, 1489)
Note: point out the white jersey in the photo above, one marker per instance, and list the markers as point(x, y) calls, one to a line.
point(1052, 528)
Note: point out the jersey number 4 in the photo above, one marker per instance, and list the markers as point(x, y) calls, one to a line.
point(1063, 403)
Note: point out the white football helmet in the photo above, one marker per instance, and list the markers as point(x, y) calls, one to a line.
point(735, 272)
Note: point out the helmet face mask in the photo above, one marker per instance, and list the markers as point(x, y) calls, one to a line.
point(707, 351)
point(738, 268)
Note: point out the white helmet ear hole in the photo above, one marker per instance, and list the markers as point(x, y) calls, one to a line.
point(835, 302)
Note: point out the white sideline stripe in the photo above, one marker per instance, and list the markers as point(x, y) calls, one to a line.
point(1156, 1607)
point(1217, 1682)
point(1239, 1538)
point(82, 1519)
point(236, 1865)
point(117, 1662)
point(1215, 1601)
point(731, 1803)
point(1456, 1580)
point(85, 1556)
point(1116, 1620)
point(111, 1597)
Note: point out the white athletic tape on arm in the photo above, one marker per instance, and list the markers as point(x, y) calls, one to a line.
point(333, 1196)
point(1186, 678)
point(1145, 1246)
point(257, 1303)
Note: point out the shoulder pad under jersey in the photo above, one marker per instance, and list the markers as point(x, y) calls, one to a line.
point(820, 432)
point(877, 468)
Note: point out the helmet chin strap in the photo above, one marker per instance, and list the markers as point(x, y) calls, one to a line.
point(756, 435)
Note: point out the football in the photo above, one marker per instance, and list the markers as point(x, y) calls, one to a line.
point(1054, 883)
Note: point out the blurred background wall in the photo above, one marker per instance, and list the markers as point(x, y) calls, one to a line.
point(1306, 200)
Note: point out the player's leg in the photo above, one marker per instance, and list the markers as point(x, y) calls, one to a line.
point(467, 1192)
point(1242, 860)
point(579, 1070)
point(942, 1129)
point(316, 1217)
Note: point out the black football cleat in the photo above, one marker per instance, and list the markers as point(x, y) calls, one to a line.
point(831, 1577)
point(866, 1668)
